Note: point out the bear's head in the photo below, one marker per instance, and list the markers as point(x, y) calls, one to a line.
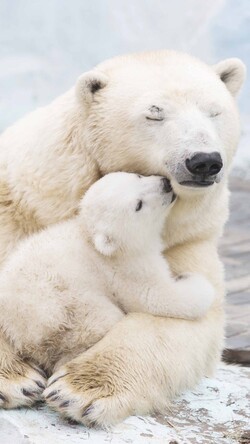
point(163, 113)
point(126, 212)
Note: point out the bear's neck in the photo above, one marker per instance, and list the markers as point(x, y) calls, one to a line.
point(197, 218)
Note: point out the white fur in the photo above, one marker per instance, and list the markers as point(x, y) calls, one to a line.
point(108, 253)
point(51, 157)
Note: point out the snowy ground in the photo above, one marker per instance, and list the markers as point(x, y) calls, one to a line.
point(217, 412)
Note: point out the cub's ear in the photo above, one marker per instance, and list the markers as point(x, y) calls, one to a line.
point(105, 244)
point(88, 84)
point(232, 72)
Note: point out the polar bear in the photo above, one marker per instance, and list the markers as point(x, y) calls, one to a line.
point(73, 281)
point(164, 113)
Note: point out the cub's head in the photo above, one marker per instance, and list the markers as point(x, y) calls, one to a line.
point(126, 212)
point(163, 113)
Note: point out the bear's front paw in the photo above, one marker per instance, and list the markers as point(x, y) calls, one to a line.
point(84, 392)
point(62, 396)
point(21, 388)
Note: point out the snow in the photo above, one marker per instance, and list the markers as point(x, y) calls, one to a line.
point(215, 412)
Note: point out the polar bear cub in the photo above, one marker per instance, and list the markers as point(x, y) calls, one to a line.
point(63, 288)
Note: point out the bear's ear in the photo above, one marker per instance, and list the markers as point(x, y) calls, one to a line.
point(105, 244)
point(232, 72)
point(88, 84)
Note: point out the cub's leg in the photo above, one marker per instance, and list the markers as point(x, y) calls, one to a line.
point(21, 383)
point(90, 326)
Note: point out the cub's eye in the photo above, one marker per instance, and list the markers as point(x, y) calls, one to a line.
point(139, 176)
point(155, 113)
point(139, 205)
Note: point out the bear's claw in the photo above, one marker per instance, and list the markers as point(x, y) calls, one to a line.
point(2, 398)
point(53, 380)
point(40, 385)
point(18, 391)
point(88, 411)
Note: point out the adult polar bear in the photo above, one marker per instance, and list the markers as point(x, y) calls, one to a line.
point(153, 113)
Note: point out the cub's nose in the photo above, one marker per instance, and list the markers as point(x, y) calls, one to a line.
point(205, 164)
point(166, 185)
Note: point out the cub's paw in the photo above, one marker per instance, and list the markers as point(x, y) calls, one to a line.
point(202, 293)
point(85, 396)
point(22, 387)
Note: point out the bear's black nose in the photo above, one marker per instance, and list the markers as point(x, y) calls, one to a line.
point(205, 164)
point(166, 185)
